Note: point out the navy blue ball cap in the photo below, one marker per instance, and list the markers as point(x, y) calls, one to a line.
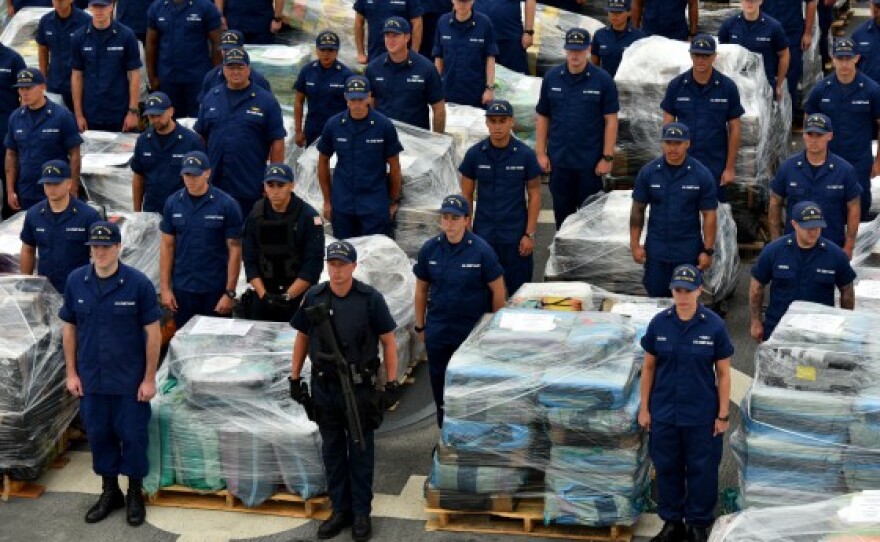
point(157, 103)
point(231, 39)
point(29, 77)
point(104, 234)
point(357, 87)
point(686, 276)
point(281, 173)
point(455, 205)
point(194, 163)
point(703, 44)
point(54, 171)
point(617, 6)
point(577, 39)
point(817, 123)
point(396, 25)
point(844, 48)
point(342, 251)
point(100, 2)
point(499, 108)
point(675, 131)
point(327, 40)
point(237, 56)
point(808, 215)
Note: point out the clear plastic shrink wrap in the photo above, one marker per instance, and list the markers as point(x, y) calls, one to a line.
point(384, 266)
point(551, 24)
point(867, 288)
point(812, 415)
point(522, 91)
point(106, 175)
point(543, 404)
point(645, 72)
point(593, 246)
point(867, 250)
point(35, 408)
point(280, 65)
point(141, 240)
point(10, 243)
point(430, 173)
point(311, 17)
point(467, 126)
point(223, 417)
point(847, 518)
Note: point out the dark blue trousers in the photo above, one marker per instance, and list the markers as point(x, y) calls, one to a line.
point(658, 275)
point(512, 55)
point(349, 470)
point(517, 269)
point(190, 304)
point(686, 460)
point(117, 429)
point(826, 18)
point(438, 360)
point(795, 71)
point(347, 225)
point(569, 188)
point(184, 98)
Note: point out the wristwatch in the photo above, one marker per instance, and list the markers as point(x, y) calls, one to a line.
point(278, 19)
point(493, 86)
point(230, 293)
point(724, 419)
point(133, 110)
point(529, 235)
point(708, 251)
point(608, 157)
point(529, 32)
point(419, 329)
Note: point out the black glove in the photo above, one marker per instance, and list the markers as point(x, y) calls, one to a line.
point(392, 393)
point(299, 391)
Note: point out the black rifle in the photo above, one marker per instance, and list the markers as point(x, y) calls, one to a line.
point(319, 317)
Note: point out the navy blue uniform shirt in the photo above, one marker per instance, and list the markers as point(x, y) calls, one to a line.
point(609, 45)
point(797, 274)
point(789, 13)
point(706, 110)
point(376, 12)
point(157, 159)
point(59, 238)
point(832, 186)
point(576, 106)
point(665, 18)
point(239, 135)
point(324, 89)
point(215, 77)
point(10, 64)
point(105, 57)
point(359, 319)
point(506, 17)
point(867, 36)
point(362, 148)
point(501, 176)
point(854, 110)
point(764, 36)
point(56, 34)
point(39, 136)
point(458, 293)
point(685, 392)
point(464, 47)
point(111, 344)
point(201, 229)
point(403, 91)
point(309, 238)
point(183, 27)
point(133, 14)
point(676, 197)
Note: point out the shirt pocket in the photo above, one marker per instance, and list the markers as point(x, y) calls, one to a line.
point(51, 136)
point(76, 235)
point(785, 276)
point(127, 310)
point(700, 352)
point(824, 278)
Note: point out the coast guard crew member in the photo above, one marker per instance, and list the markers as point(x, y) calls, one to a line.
point(229, 39)
point(10, 64)
point(817, 175)
point(610, 42)
point(56, 228)
point(242, 125)
point(200, 255)
point(158, 153)
point(685, 404)
point(762, 34)
point(363, 194)
point(183, 39)
point(458, 280)
point(322, 84)
point(667, 18)
point(404, 83)
point(54, 35)
point(501, 169)
point(680, 191)
point(512, 35)
point(464, 53)
point(39, 131)
point(105, 80)
point(111, 350)
point(373, 14)
point(576, 127)
point(707, 101)
point(852, 101)
point(799, 266)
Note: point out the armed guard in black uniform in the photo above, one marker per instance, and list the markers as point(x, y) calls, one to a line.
point(282, 249)
point(340, 325)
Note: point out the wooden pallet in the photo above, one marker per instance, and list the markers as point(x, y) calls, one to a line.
point(30, 490)
point(501, 502)
point(280, 504)
point(527, 520)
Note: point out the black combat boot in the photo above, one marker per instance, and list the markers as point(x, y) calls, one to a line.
point(698, 534)
point(362, 529)
point(135, 511)
point(673, 531)
point(111, 499)
point(333, 525)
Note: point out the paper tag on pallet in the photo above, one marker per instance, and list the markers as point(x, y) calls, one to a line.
point(518, 321)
